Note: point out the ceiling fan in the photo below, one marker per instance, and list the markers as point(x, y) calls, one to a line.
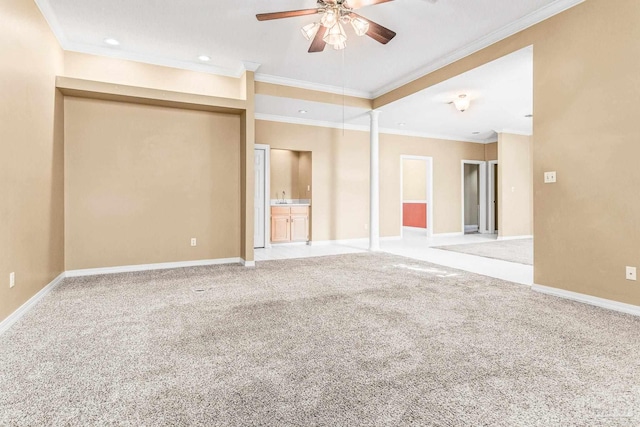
point(329, 30)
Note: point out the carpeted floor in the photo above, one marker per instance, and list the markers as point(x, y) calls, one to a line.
point(364, 339)
point(519, 250)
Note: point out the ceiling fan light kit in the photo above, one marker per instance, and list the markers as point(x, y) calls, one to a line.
point(462, 103)
point(330, 29)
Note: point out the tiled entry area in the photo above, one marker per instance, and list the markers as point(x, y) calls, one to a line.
point(414, 244)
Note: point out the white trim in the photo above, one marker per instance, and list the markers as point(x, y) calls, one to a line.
point(364, 128)
point(149, 267)
point(285, 81)
point(588, 299)
point(514, 237)
point(482, 197)
point(251, 66)
point(414, 201)
point(491, 213)
point(247, 263)
point(448, 234)
point(508, 30)
point(267, 192)
point(428, 197)
point(471, 228)
point(22, 310)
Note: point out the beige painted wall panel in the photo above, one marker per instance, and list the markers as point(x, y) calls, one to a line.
point(31, 155)
point(515, 185)
point(142, 180)
point(491, 151)
point(285, 168)
point(304, 175)
point(585, 118)
point(120, 71)
point(414, 179)
point(471, 195)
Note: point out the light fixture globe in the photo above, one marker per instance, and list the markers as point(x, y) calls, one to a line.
point(462, 103)
point(335, 35)
point(329, 18)
point(309, 31)
point(360, 26)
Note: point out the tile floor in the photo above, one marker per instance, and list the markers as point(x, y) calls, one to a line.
point(414, 244)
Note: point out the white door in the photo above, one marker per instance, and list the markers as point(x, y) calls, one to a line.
point(259, 200)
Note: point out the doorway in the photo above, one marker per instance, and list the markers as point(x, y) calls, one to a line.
point(261, 226)
point(474, 197)
point(416, 195)
point(493, 197)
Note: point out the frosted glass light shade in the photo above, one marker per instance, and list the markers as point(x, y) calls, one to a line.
point(360, 26)
point(335, 35)
point(329, 19)
point(309, 31)
point(340, 46)
point(462, 103)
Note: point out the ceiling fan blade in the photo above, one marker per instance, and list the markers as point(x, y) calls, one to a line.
point(357, 4)
point(287, 14)
point(376, 31)
point(317, 45)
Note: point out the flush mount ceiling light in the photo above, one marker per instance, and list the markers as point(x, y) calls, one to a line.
point(111, 41)
point(302, 111)
point(528, 116)
point(204, 58)
point(462, 103)
point(335, 14)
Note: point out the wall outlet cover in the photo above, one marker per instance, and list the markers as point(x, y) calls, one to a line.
point(631, 273)
point(194, 242)
point(549, 177)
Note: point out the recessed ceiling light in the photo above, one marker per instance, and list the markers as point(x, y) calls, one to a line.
point(476, 133)
point(111, 41)
point(204, 58)
point(528, 116)
point(402, 124)
point(302, 111)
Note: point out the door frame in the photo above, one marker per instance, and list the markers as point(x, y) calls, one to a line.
point(482, 176)
point(267, 192)
point(491, 213)
point(429, 190)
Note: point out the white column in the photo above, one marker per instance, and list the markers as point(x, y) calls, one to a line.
point(374, 185)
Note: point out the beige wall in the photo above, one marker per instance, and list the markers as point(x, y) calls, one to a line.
point(304, 175)
point(141, 181)
point(515, 186)
point(285, 169)
point(471, 194)
point(491, 151)
point(340, 176)
point(414, 179)
point(131, 73)
point(31, 155)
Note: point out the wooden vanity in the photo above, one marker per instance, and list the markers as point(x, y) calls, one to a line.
point(289, 224)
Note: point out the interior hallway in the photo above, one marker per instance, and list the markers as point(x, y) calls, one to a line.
point(414, 244)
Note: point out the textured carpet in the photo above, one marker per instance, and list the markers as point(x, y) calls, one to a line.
point(520, 250)
point(364, 339)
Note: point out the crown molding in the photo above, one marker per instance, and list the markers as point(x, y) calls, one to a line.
point(363, 128)
point(508, 30)
point(284, 81)
point(250, 66)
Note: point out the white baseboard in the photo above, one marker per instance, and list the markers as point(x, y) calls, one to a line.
point(588, 299)
point(406, 227)
point(16, 315)
point(471, 228)
point(148, 267)
point(514, 237)
point(247, 263)
point(448, 234)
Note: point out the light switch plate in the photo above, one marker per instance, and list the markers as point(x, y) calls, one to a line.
point(549, 177)
point(12, 280)
point(631, 273)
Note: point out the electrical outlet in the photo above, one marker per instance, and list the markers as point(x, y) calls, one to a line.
point(12, 280)
point(194, 242)
point(549, 177)
point(631, 273)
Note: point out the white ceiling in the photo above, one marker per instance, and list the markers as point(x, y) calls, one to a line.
point(430, 35)
point(501, 94)
point(175, 33)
